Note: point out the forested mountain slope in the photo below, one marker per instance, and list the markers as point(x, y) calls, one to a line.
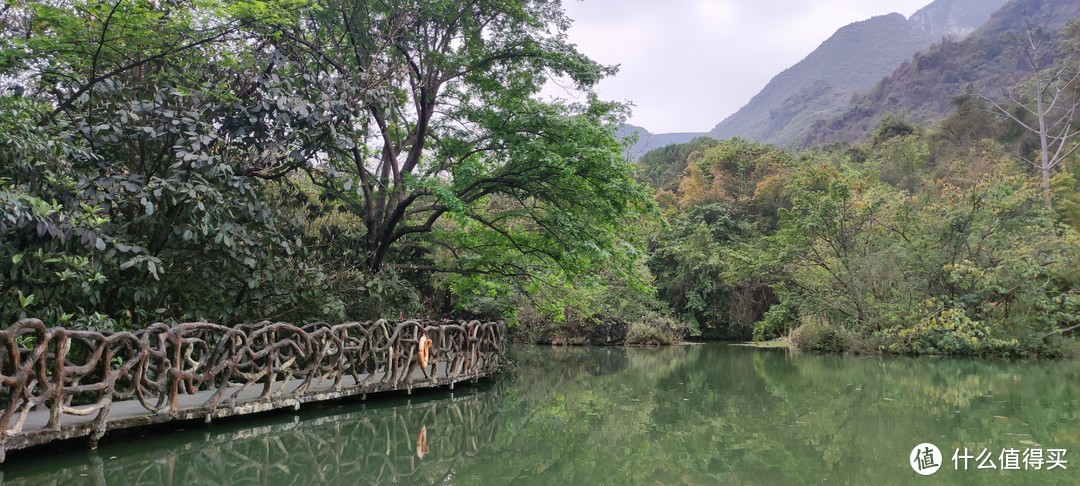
point(851, 61)
point(921, 89)
point(821, 86)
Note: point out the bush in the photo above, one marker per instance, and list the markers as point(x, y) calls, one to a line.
point(656, 330)
point(819, 336)
point(776, 322)
point(939, 330)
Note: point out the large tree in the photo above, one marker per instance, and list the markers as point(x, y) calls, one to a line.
point(406, 112)
point(166, 119)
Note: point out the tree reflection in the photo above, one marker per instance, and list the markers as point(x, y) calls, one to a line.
point(415, 443)
point(708, 414)
point(722, 414)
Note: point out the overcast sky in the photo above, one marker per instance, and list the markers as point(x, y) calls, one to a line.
point(688, 64)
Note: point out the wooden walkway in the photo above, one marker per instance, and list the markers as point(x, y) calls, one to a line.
point(201, 371)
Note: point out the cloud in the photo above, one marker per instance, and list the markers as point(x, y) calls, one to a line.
point(688, 64)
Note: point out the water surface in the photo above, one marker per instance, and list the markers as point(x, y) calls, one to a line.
point(704, 414)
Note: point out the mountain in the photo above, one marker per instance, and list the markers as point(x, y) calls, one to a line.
point(647, 141)
point(922, 88)
point(851, 61)
point(819, 86)
point(816, 92)
point(954, 18)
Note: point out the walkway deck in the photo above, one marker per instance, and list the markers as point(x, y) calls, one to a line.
point(201, 371)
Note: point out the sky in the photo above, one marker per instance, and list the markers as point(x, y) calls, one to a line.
point(688, 64)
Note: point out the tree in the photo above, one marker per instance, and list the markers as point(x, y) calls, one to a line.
point(1050, 96)
point(134, 191)
point(730, 192)
point(420, 114)
point(160, 136)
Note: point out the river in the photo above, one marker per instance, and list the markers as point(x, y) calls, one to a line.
point(697, 414)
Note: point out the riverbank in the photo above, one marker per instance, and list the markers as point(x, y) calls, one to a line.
point(600, 330)
point(957, 337)
point(771, 344)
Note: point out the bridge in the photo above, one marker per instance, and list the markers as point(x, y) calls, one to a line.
point(58, 384)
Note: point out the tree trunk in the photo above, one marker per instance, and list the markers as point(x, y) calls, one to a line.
point(1048, 195)
point(1044, 146)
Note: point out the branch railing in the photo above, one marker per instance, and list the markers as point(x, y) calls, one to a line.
point(82, 373)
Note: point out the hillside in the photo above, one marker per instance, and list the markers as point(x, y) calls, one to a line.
point(954, 18)
point(648, 141)
point(819, 86)
point(851, 61)
point(922, 88)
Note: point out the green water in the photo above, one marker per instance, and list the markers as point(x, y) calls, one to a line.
point(707, 414)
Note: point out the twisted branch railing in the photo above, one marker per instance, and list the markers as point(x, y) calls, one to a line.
point(71, 373)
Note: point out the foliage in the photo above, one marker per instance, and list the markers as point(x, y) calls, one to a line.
point(731, 191)
point(940, 330)
point(848, 242)
point(859, 257)
point(820, 337)
point(1049, 97)
point(138, 93)
point(828, 254)
point(560, 305)
point(657, 330)
point(663, 168)
point(420, 120)
point(424, 130)
point(776, 322)
point(900, 154)
point(341, 159)
point(51, 244)
point(299, 160)
point(1066, 186)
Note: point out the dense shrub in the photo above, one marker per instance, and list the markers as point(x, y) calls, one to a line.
point(656, 330)
point(819, 336)
point(948, 331)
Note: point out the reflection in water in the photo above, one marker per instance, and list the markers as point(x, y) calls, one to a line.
point(708, 414)
point(421, 443)
point(718, 414)
point(414, 443)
